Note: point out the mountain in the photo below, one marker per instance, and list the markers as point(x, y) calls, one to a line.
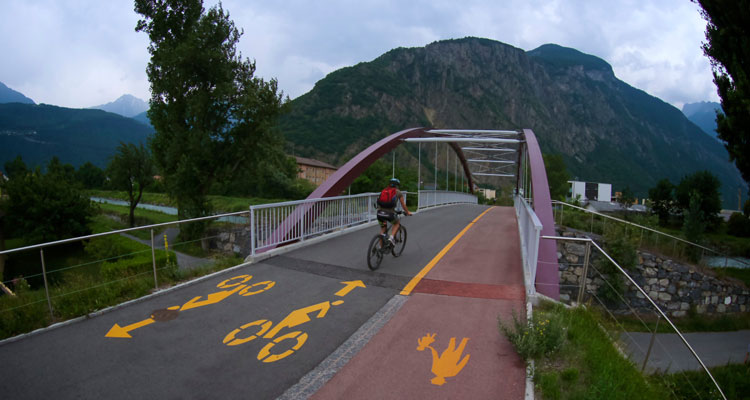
point(703, 114)
point(142, 118)
point(39, 132)
point(127, 106)
point(606, 130)
point(8, 95)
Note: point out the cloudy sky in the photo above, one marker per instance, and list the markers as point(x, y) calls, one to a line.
point(81, 53)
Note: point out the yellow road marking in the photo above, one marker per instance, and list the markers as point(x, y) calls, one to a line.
point(414, 281)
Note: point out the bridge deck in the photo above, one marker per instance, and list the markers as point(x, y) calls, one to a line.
point(258, 330)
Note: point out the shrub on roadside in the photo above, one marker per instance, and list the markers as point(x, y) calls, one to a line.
point(541, 336)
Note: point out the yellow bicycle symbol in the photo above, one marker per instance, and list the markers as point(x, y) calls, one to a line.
point(268, 331)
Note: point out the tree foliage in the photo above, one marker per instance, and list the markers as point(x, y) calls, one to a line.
point(131, 169)
point(212, 116)
point(90, 176)
point(41, 207)
point(708, 200)
point(557, 176)
point(626, 198)
point(662, 200)
point(728, 47)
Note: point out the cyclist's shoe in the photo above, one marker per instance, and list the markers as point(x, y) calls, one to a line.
point(392, 240)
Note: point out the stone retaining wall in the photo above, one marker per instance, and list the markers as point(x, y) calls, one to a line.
point(674, 286)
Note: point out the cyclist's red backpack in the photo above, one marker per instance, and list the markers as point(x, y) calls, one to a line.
point(387, 198)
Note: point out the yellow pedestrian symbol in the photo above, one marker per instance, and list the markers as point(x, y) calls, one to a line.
point(447, 365)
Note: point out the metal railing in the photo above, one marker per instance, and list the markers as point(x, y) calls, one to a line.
point(644, 229)
point(433, 198)
point(529, 229)
point(45, 271)
point(590, 272)
point(275, 224)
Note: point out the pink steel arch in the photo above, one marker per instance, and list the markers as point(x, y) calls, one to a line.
point(547, 274)
point(344, 176)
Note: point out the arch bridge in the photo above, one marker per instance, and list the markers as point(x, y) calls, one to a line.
point(507, 154)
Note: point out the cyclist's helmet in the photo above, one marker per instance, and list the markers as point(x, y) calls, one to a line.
point(394, 182)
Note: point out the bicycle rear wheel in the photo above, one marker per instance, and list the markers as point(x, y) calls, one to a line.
point(375, 252)
point(400, 240)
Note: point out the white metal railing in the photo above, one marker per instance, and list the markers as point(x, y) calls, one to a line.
point(433, 198)
point(529, 230)
point(582, 289)
point(279, 223)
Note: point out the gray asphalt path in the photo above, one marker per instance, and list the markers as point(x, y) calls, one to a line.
point(247, 333)
point(669, 353)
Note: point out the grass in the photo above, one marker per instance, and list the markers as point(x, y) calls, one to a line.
point(733, 379)
point(586, 365)
point(691, 323)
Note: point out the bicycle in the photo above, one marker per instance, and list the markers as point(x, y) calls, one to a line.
point(380, 245)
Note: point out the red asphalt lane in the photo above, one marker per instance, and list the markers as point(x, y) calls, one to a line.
point(477, 281)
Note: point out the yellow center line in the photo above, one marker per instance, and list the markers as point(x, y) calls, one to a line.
point(414, 281)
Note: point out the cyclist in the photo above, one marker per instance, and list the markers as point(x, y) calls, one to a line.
point(387, 207)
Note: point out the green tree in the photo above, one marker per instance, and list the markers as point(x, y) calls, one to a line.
point(90, 176)
point(557, 176)
point(131, 170)
point(212, 116)
point(626, 198)
point(728, 48)
point(65, 172)
point(709, 198)
point(662, 200)
point(45, 207)
point(16, 167)
point(695, 222)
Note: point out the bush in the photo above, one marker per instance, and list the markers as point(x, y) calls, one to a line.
point(541, 336)
point(141, 263)
point(739, 225)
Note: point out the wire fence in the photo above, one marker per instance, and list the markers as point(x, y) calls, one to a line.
point(69, 278)
point(633, 323)
point(597, 223)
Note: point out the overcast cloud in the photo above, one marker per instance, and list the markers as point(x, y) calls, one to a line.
point(81, 53)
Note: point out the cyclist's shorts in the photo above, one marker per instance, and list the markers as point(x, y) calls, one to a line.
point(385, 216)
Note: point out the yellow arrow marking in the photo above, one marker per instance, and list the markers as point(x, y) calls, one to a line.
point(350, 285)
point(118, 331)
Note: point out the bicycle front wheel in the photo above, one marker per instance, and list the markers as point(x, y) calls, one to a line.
point(375, 252)
point(400, 240)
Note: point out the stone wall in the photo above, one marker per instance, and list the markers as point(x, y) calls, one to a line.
point(229, 241)
point(674, 286)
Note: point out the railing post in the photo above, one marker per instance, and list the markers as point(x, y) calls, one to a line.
point(153, 259)
point(46, 285)
point(253, 235)
point(651, 343)
point(562, 215)
point(582, 286)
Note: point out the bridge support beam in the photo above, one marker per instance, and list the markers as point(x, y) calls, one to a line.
point(547, 274)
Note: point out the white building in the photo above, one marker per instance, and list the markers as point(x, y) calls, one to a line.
point(488, 193)
point(588, 191)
